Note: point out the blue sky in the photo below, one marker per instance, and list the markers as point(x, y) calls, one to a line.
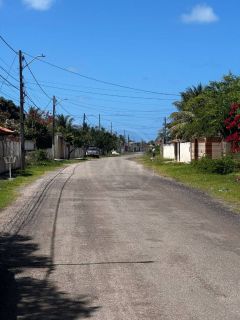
point(162, 46)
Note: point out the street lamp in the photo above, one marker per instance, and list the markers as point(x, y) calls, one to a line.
point(35, 58)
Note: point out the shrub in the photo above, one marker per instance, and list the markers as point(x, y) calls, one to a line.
point(224, 165)
point(38, 156)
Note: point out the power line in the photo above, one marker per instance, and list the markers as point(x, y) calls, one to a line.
point(10, 96)
point(8, 72)
point(46, 94)
point(60, 104)
point(107, 94)
point(7, 44)
point(26, 95)
point(6, 80)
point(88, 77)
point(101, 81)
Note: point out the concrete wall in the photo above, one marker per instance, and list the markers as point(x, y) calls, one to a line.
point(9, 147)
point(77, 153)
point(168, 151)
point(201, 149)
point(217, 150)
point(185, 152)
point(30, 145)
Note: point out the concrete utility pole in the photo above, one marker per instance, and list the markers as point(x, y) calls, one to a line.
point(53, 126)
point(84, 120)
point(165, 130)
point(111, 127)
point(99, 122)
point(22, 138)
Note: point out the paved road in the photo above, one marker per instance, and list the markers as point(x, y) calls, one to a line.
point(110, 240)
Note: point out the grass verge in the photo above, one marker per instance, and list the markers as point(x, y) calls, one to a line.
point(224, 187)
point(9, 189)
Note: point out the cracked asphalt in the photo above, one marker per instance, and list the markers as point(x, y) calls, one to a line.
point(110, 240)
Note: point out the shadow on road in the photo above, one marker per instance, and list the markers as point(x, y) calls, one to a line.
point(30, 298)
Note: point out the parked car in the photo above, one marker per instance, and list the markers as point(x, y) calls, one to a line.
point(115, 153)
point(93, 152)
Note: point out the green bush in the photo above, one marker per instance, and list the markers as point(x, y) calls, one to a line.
point(38, 156)
point(224, 165)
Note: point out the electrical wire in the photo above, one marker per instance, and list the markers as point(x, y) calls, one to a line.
point(30, 99)
point(10, 96)
point(7, 44)
point(8, 72)
point(101, 81)
point(46, 94)
point(108, 94)
point(6, 80)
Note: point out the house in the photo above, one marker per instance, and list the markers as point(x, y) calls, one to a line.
point(179, 151)
point(213, 148)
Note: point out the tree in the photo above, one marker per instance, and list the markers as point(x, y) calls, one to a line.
point(38, 127)
point(203, 109)
point(9, 114)
point(233, 127)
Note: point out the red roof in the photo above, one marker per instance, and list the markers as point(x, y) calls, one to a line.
point(5, 131)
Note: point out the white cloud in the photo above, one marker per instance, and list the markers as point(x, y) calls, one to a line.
point(201, 13)
point(38, 4)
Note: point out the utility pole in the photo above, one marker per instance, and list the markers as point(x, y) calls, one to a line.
point(165, 130)
point(99, 122)
point(84, 120)
point(22, 138)
point(111, 127)
point(53, 126)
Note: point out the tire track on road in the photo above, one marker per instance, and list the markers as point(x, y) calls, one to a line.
point(52, 245)
point(15, 224)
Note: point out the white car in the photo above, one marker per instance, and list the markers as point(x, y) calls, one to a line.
point(115, 153)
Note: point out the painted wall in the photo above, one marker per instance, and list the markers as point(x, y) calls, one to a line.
point(9, 147)
point(201, 149)
point(185, 152)
point(168, 151)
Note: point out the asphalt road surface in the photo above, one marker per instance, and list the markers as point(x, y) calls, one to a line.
point(109, 240)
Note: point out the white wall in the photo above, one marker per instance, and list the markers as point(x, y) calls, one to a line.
point(201, 149)
point(9, 147)
point(168, 151)
point(185, 152)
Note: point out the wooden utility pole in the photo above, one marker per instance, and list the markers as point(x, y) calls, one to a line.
point(22, 137)
point(53, 126)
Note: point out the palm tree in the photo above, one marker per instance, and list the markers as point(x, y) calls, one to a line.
point(64, 123)
point(185, 113)
point(179, 122)
point(190, 93)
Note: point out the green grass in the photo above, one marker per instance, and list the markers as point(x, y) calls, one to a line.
point(223, 187)
point(9, 190)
